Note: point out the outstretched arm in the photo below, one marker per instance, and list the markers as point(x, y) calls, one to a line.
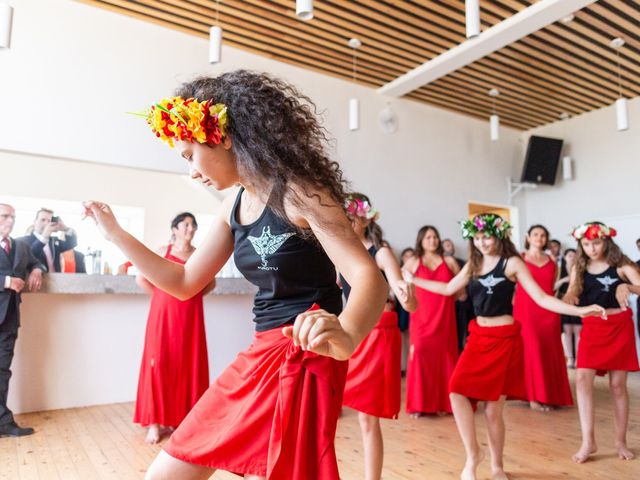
point(518, 269)
point(404, 291)
point(181, 281)
point(457, 283)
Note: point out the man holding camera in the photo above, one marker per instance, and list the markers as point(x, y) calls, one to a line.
point(18, 269)
point(47, 247)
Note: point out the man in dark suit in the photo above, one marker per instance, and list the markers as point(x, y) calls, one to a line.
point(18, 267)
point(45, 247)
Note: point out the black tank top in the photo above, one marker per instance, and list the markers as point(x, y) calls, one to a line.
point(492, 293)
point(346, 288)
point(600, 289)
point(291, 273)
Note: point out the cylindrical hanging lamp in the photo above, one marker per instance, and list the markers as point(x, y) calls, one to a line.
point(494, 119)
point(6, 19)
point(472, 16)
point(354, 103)
point(354, 114)
point(304, 9)
point(215, 44)
point(622, 115)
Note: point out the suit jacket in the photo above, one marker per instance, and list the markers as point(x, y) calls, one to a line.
point(19, 263)
point(56, 245)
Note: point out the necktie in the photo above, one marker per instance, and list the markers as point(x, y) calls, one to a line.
point(6, 244)
point(49, 257)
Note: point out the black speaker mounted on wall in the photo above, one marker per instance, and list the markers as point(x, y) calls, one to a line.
point(541, 161)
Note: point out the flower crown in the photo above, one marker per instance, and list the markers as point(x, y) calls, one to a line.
point(593, 230)
point(190, 120)
point(359, 207)
point(488, 223)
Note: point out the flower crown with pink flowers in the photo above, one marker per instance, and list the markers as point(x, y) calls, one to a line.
point(593, 230)
point(359, 206)
point(490, 224)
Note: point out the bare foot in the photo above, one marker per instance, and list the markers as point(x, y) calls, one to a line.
point(539, 407)
point(498, 474)
point(153, 435)
point(585, 451)
point(442, 413)
point(469, 470)
point(416, 414)
point(624, 453)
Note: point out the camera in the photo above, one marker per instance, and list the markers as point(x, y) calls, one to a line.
point(55, 219)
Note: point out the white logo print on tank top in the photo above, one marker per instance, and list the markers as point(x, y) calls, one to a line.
point(606, 282)
point(268, 244)
point(490, 282)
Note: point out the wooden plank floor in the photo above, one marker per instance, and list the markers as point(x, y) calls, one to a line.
point(100, 442)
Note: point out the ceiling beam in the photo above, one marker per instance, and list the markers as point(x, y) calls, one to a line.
point(510, 30)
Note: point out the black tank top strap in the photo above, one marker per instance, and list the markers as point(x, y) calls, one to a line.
point(234, 215)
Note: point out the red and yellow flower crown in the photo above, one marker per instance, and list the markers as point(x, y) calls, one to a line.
point(189, 120)
point(593, 230)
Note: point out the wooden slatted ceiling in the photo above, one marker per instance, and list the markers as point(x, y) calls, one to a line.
point(562, 68)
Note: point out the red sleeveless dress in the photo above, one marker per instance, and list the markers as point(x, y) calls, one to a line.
point(546, 377)
point(175, 368)
point(434, 346)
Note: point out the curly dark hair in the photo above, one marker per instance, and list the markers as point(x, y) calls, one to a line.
point(277, 140)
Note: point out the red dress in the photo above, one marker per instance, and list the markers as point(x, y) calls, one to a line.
point(546, 377)
point(434, 346)
point(373, 381)
point(175, 368)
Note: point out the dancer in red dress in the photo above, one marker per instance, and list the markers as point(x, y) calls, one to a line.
point(603, 275)
point(273, 412)
point(373, 381)
point(174, 371)
point(491, 367)
point(433, 350)
point(545, 369)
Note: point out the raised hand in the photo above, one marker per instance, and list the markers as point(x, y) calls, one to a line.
point(104, 218)
point(320, 332)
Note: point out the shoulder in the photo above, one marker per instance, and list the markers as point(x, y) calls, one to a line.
point(162, 250)
point(412, 264)
point(305, 204)
point(385, 253)
point(452, 263)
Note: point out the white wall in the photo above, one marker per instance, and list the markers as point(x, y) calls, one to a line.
point(76, 350)
point(606, 172)
point(83, 71)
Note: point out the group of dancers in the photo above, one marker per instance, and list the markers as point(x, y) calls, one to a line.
point(273, 412)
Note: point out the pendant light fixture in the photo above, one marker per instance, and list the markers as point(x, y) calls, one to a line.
point(215, 39)
point(494, 119)
point(354, 103)
point(622, 115)
point(472, 17)
point(6, 19)
point(304, 9)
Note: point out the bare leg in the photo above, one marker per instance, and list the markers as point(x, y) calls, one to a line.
point(584, 393)
point(165, 467)
point(153, 434)
point(539, 407)
point(576, 334)
point(618, 386)
point(567, 344)
point(373, 446)
point(465, 421)
point(496, 433)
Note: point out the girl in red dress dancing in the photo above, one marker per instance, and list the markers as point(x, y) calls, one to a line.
point(545, 370)
point(373, 381)
point(603, 275)
point(433, 350)
point(273, 412)
point(491, 367)
point(174, 372)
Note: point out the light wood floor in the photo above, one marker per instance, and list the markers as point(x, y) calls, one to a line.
point(101, 443)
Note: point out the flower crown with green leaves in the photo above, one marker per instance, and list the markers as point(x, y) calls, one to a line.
point(490, 224)
point(593, 230)
point(359, 206)
point(189, 120)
